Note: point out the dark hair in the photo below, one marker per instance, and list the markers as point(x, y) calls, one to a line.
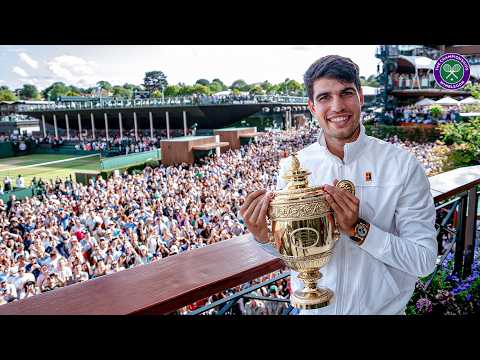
point(333, 67)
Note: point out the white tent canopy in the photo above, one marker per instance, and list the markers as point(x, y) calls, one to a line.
point(420, 62)
point(469, 100)
point(425, 102)
point(369, 90)
point(447, 100)
point(475, 71)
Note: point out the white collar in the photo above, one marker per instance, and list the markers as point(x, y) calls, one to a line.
point(351, 151)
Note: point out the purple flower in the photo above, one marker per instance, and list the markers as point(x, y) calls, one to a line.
point(424, 305)
point(468, 297)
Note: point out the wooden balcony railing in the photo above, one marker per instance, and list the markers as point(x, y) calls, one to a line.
point(171, 283)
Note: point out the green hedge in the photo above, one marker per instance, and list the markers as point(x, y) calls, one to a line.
point(132, 169)
point(411, 133)
point(125, 161)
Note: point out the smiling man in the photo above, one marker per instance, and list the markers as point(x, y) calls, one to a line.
point(388, 236)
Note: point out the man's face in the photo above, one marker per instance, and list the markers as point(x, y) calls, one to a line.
point(337, 107)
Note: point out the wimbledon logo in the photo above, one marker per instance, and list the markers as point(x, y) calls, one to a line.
point(451, 71)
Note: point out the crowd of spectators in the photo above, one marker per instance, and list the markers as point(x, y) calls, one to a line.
point(430, 154)
point(74, 232)
point(70, 232)
point(422, 114)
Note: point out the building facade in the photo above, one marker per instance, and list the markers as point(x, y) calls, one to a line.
point(406, 73)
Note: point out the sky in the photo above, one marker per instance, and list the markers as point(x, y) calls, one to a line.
point(85, 65)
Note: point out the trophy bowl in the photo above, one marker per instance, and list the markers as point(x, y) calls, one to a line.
point(304, 232)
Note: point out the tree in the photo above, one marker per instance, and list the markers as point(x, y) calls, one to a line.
point(120, 91)
point(294, 87)
point(29, 92)
point(156, 94)
point(274, 89)
point(370, 81)
point(172, 90)
point(215, 87)
point(71, 92)
point(155, 80)
point(201, 89)
point(266, 85)
point(218, 81)
point(239, 85)
point(105, 85)
point(6, 94)
point(132, 87)
point(256, 90)
point(55, 90)
point(204, 82)
point(186, 90)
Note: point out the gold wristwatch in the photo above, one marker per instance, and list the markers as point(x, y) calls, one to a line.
point(360, 231)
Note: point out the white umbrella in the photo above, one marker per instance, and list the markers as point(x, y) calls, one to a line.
point(469, 100)
point(425, 102)
point(447, 101)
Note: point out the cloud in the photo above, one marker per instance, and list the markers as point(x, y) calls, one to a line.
point(10, 49)
point(301, 47)
point(18, 70)
point(28, 60)
point(73, 69)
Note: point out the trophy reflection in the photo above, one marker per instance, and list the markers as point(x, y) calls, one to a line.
point(304, 233)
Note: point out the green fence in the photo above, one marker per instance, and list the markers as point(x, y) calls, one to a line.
point(6, 149)
point(123, 161)
point(20, 194)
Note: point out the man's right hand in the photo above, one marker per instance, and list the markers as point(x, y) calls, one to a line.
point(254, 213)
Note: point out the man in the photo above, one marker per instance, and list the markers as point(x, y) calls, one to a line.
point(388, 236)
point(20, 182)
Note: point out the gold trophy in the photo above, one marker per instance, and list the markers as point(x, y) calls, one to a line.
point(304, 232)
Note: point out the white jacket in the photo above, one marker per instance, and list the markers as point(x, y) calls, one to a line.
point(379, 276)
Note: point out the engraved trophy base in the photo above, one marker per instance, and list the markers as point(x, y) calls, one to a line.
point(309, 300)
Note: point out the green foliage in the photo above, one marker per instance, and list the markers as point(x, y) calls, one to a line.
point(474, 90)
point(55, 90)
point(186, 90)
point(204, 82)
point(240, 85)
point(155, 80)
point(201, 89)
point(7, 95)
point(172, 90)
point(220, 82)
point(215, 87)
point(465, 136)
point(435, 111)
point(105, 85)
point(71, 92)
point(29, 92)
point(120, 91)
point(256, 90)
point(410, 133)
point(371, 81)
point(156, 94)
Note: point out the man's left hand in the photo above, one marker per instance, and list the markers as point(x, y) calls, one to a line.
point(346, 207)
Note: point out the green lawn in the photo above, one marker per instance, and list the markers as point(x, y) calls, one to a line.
point(10, 166)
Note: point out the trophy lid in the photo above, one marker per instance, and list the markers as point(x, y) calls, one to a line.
point(297, 177)
point(298, 200)
point(297, 187)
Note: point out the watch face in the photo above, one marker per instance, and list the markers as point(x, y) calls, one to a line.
point(362, 230)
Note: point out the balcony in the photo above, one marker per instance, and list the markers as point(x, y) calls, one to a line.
point(174, 282)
